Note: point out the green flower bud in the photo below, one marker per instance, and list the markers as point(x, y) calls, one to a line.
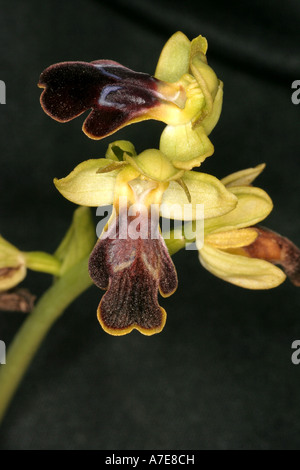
point(12, 265)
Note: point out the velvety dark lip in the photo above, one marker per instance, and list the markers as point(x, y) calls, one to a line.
point(114, 93)
point(133, 272)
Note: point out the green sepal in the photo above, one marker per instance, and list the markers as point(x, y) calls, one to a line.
point(204, 190)
point(253, 206)
point(85, 186)
point(174, 58)
point(250, 273)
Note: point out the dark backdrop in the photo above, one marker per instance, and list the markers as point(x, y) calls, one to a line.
point(220, 375)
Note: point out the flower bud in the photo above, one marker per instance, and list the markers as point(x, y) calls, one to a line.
point(12, 265)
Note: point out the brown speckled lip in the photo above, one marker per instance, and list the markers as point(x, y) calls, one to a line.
point(115, 94)
point(277, 249)
point(133, 272)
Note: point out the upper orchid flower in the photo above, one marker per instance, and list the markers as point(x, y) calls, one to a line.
point(117, 95)
point(130, 259)
point(185, 94)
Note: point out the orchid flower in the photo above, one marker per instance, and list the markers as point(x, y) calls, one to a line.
point(238, 250)
point(185, 94)
point(130, 259)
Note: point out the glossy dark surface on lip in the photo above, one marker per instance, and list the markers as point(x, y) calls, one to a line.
point(115, 93)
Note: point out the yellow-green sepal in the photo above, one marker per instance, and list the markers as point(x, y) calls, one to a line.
point(204, 189)
point(253, 206)
point(210, 121)
point(174, 58)
point(211, 86)
point(206, 77)
point(243, 177)
point(250, 273)
point(85, 187)
point(199, 45)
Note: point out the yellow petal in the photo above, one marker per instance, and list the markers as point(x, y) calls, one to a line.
point(206, 78)
point(184, 146)
point(208, 82)
point(250, 273)
point(232, 238)
point(204, 189)
point(243, 177)
point(211, 120)
point(154, 165)
point(85, 187)
point(199, 44)
point(254, 205)
point(174, 58)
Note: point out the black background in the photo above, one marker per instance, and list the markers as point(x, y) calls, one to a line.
point(220, 375)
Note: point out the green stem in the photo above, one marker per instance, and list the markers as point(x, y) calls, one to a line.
point(43, 262)
point(28, 339)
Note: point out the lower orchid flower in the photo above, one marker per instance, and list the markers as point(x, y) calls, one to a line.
point(130, 259)
point(238, 251)
point(132, 262)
